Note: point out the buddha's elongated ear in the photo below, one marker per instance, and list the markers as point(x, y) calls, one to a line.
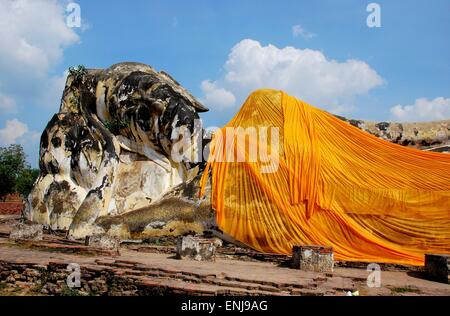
point(200, 107)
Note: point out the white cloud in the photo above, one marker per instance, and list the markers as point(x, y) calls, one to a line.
point(423, 110)
point(17, 132)
point(34, 35)
point(305, 73)
point(298, 30)
point(7, 104)
point(218, 97)
point(12, 132)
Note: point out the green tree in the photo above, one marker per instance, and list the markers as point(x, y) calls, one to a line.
point(13, 166)
point(25, 181)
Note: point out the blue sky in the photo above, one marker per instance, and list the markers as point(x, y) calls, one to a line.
point(404, 63)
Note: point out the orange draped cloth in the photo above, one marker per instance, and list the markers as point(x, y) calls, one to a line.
point(326, 182)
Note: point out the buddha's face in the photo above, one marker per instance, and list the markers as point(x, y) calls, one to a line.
point(152, 106)
point(69, 147)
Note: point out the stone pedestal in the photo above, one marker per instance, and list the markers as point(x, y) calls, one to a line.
point(196, 248)
point(437, 267)
point(23, 231)
point(313, 258)
point(103, 242)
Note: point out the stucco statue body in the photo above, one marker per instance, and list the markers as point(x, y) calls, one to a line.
point(108, 149)
point(106, 157)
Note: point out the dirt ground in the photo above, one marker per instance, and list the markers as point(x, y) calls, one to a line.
point(155, 264)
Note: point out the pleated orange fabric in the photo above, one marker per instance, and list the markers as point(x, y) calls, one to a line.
point(325, 182)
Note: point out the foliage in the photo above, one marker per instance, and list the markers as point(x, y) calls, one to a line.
point(15, 174)
point(114, 126)
point(12, 163)
point(406, 289)
point(75, 100)
point(67, 291)
point(25, 181)
point(78, 74)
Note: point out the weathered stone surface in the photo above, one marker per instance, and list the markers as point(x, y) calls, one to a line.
point(440, 149)
point(313, 258)
point(109, 149)
point(437, 267)
point(23, 231)
point(106, 157)
point(179, 212)
point(196, 248)
point(103, 241)
point(433, 136)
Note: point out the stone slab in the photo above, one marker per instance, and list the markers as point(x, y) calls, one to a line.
point(103, 241)
point(22, 231)
point(196, 248)
point(437, 267)
point(312, 258)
